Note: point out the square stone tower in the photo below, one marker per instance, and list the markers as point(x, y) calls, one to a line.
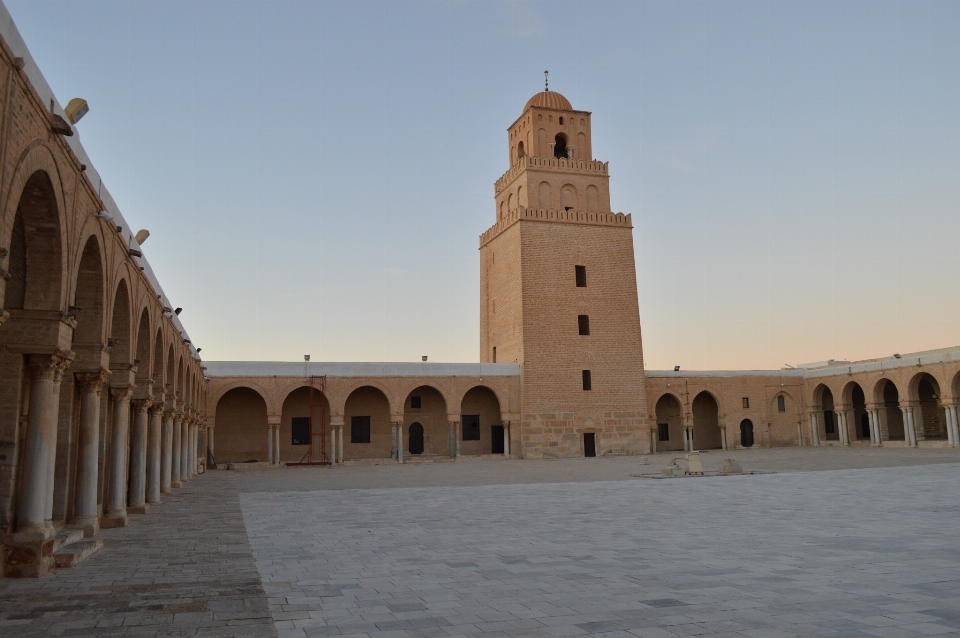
point(558, 291)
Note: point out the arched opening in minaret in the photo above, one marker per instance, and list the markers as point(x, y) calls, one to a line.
point(520, 151)
point(560, 148)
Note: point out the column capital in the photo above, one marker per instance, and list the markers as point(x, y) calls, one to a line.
point(49, 366)
point(121, 394)
point(93, 381)
point(156, 409)
point(273, 419)
point(4, 315)
point(141, 405)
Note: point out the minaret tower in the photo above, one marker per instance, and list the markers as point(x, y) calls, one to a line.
point(558, 291)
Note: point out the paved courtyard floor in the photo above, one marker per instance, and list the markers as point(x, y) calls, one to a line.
point(540, 549)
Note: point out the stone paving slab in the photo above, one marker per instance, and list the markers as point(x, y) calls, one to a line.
point(805, 459)
point(868, 552)
point(184, 569)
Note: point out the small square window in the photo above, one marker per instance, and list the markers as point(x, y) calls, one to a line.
point(746, 403)
point(781, 404)
point(300, 429)
point(470, 425)
point(360, 429)
point(581, 276)
point(663, 431)
point(583, 321)
point(587, 385)
point(415, 402)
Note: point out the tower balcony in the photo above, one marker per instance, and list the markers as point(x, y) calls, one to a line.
point(550, 164)
point(582, 217)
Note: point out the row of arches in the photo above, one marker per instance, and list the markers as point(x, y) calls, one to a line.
point(367, 419)
point(91, 358)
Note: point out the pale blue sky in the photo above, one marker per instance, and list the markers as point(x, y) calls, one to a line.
point(315, 174)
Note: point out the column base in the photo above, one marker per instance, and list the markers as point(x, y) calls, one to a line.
point(114, 519)
point(89, 524)
point(153, 501)
point(176, 484)
point(27, 556)
point(138, 509)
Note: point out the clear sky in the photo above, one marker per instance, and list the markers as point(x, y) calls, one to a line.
point(315, 174)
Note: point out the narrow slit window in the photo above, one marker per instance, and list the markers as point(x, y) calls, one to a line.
point(746, 403)
point(583, 321)
point(494, 354)
point(587, 384)
point(360, 429)
point(781, 404)
point(581, 276)
point(415, 402)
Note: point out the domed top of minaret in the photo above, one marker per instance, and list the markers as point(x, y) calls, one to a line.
point(549, 100)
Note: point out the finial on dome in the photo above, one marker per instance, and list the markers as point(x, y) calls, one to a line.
point(546, 81)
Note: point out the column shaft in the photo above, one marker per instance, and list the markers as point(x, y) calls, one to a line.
point(119, 449)
point(184, 451)
point(276, 445)
point(138, 456)
point(176, 448)
point(88, 451)
point(457, 437)
point(340, 444)
point(400, 442)
point(814, 429)
point(166, 453)
point(393, 442)
point(153, 454)
point(40, 444)
point(506, 439)
point(270, 444)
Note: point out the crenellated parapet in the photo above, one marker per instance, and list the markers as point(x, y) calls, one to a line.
point(581, 217)
point(553, 164)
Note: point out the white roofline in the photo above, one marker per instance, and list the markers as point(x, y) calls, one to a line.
point(358, 369)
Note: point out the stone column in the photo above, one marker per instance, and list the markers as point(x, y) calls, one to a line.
point(270, 444)
point(333, 445)
point(654, 435)
point(814, 429)
point(399, 441)
point(393, 442)
point(184, 450)
point(913, 426)
point(194, 444)
point(119, 448)
point(956, 425)
point(210, 443)
point(138, 458)
point(723, 438)
point(176, 449)
point(506, 439)
point(450, 436)
point(457, 437)
point(842, 427)
point(340, 443)
point(907, 425)
point(166, 453)
point(276, 444)
point(86, 515)
point(153, 453)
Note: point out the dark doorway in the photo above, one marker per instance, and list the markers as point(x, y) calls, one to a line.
point(496, 439)
point(828, 426)
point(865, 426)
point(589, 444)
point(416, 438)
point(746, 433)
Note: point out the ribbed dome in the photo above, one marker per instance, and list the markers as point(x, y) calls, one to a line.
point(549, 100)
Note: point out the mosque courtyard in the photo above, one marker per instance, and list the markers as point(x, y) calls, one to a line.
point(834, 542)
